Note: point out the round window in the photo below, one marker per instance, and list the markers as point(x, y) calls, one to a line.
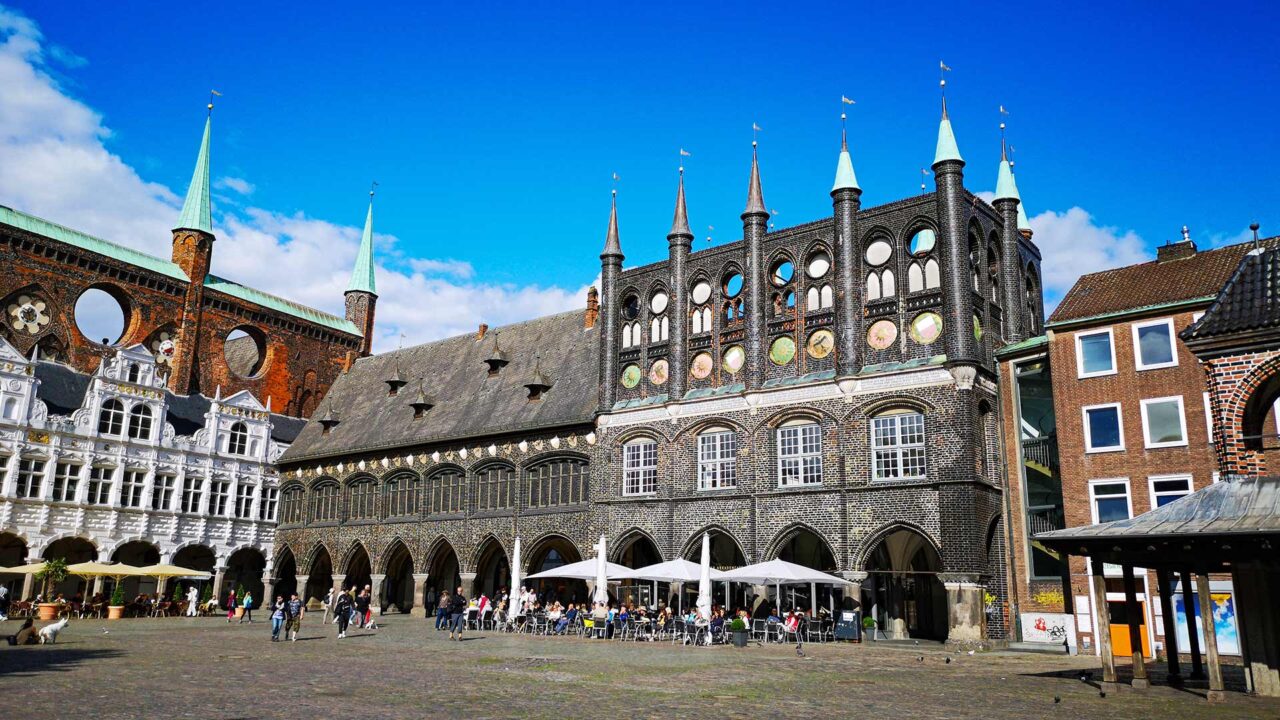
point(922, 242)
point(882, 334)
point(658, 302)
point(733, 285)
point(926, 328)
point(99, 316)
point(879, 252)
point(631, 307)
point(631, 376)
point(701, 292)
point(734, 358)
point(783, 350)
point(782, 273)
point(819, 264)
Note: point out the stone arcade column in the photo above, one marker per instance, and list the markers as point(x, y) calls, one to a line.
point(857, 577)
point(376, 592)
point(468, 581)
point(339, 582)
point(300, 585)
point(966, 619)
point(219, 575)
point(419, 590)
point(268, 590)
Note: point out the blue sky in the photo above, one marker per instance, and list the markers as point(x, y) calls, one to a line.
point(493, 129)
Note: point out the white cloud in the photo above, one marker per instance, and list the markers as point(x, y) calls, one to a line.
point(235, 184)
point(1073, 244)
point(56, 165)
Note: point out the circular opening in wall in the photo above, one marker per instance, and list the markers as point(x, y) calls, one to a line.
point(922, 242)
point(819, 264)
point(245, 351)
point(732, 284)
point(782, 272)
point(658, 303)
point(100, 316)
point(879, 252)
point(701, 292)
point(631, 307)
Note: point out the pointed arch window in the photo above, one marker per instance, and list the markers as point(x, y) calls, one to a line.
point(111, 418)
point(495, 487)
point(700, 321)
point(402, 495)
point(326, 502)
point(556, 482)
point(291, 506)
point(140, 423)
point(364, 494)
point(915, 278)
point(446, 492)
point(932, 274)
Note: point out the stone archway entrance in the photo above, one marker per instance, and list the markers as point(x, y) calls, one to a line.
point(902, 590)
point(548, 554)
point(245, 569)
point(320, 578)
point(807, 548)
point(359, 570)
point(73, 550)
point(286, 574)
point(442, 574)
point(398, 585)
point(196, 557)
point(726, 554)
point(638, 550)
point(138, 553)
point(13, 552)
point(493, 569)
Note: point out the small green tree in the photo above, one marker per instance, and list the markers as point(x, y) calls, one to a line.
point(207, 595)
point(177, 592)
point(54, 572)
point(117, 594)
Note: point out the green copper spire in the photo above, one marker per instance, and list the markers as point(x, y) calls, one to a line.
point(362, 276)
point(1006, 188)
point(195, 209)
point(845, 177)
point(947, 149)
point(1023, 223)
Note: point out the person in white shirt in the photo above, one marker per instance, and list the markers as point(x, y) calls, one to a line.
point(193, 601)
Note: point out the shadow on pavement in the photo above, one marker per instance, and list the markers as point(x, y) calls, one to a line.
point(20, 661)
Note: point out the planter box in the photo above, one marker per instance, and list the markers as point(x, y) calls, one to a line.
point(47, 611)
point(239, 611)
point(115, 612)
point(740, 638)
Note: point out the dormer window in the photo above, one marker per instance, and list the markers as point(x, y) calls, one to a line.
point(237, 439)
point(498, 359)
point(395, 382)
point(134, 372)
point(539, 384)
point(329, 421)
point(422, 403)
point(140, 422)
point(111, 418)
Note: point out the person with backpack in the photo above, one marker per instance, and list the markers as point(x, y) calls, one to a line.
point(362, 608)
point(457, 614)
point(342, 610)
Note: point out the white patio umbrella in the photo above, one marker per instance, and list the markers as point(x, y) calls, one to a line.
point(582, 570)
point(780, 572)
point(704, 580)
point(602, 573)
point(673, 571)
point(513, 600)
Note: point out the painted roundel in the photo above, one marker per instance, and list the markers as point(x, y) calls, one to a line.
point(977, 328)
point(701, 292)
point(783, 350)
point(734, 358)
point(820, 344)
point(701, 366)
point(631, 376)
point(658, 372)
point(882, 334)
point(29, 314)
point(926, 328)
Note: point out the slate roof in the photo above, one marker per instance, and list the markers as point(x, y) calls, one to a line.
point(63, 389)
point(1248, 302)
point(1231, 507)
point(84, 241)
point(1153, 284)
point(469, 403)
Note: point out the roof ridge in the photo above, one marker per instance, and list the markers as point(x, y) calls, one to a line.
point(94, 238)
point(497, 329)
point(284, 300)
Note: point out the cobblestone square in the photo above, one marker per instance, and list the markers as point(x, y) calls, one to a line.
point(203, 668)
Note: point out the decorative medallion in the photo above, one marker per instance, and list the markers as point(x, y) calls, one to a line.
point(926, 328)
point(977, 328)
point(820, 344)
point(701, 292)
point(882, 334)
point(923, 241)
point(658, 302)
point(28, 314)
point(658, 372)
point(734, 358)
point(783, 350)
point(701, 366)
point(631, 376)
point(819, 264)
point(164, 347)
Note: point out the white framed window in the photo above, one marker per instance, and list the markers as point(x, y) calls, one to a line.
point(1103, 428)
point(270, 498)
point(244, 501)
point(131, 488)
point(220, 490)
point(1095, 354)
point(1164, 424)
point(66, 477)
point(640, 467)
point(1153, 344)
point(800, 454)
point(99, 485)
point(191, 492)
point(1167, 488)
point(162, 492)
point(237, 439)
point(1208, 418)
point(30, 470)
point(140, 422)
point(717, 459)
point(1109, 500)
point(111, 418)
point(897, 447)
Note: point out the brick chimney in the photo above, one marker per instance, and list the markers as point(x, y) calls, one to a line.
point(1184, 248)
point(484, 328)
point(593, 308)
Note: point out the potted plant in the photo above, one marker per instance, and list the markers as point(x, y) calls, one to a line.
point(54, 572)
point(239, 600)
point(115, 609)
point(738, 627)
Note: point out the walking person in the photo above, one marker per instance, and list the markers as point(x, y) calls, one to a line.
point(248, 608)
point(342, 611)
point(294, 609)
point(362, 608)
point(193, 601)
point(231, 606)
point(457, 614)
point(328, 607)
point(442, 609)
point(277, 618)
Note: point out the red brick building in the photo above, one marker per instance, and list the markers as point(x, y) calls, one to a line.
point(1106, 416)
point(206, 331)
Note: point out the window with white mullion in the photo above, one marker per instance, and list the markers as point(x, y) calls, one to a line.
point(640, 468)
point(30, 473)
point(66, 479)
point(898, 451)
point(131, 487)
point(100, 481)
point(162, 492)
point(244, 500)
point(717, 460)
point(799, 455)
point(192, 492)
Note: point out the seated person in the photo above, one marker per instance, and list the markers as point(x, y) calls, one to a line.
point(773, 615)
point(26, 635)
point(717, 620)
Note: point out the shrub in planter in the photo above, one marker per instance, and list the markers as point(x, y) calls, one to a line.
point(738, 627)
point(115, 608)
point(54, 572)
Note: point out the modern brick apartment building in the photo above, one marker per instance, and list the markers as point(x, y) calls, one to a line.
point(1106, 416)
